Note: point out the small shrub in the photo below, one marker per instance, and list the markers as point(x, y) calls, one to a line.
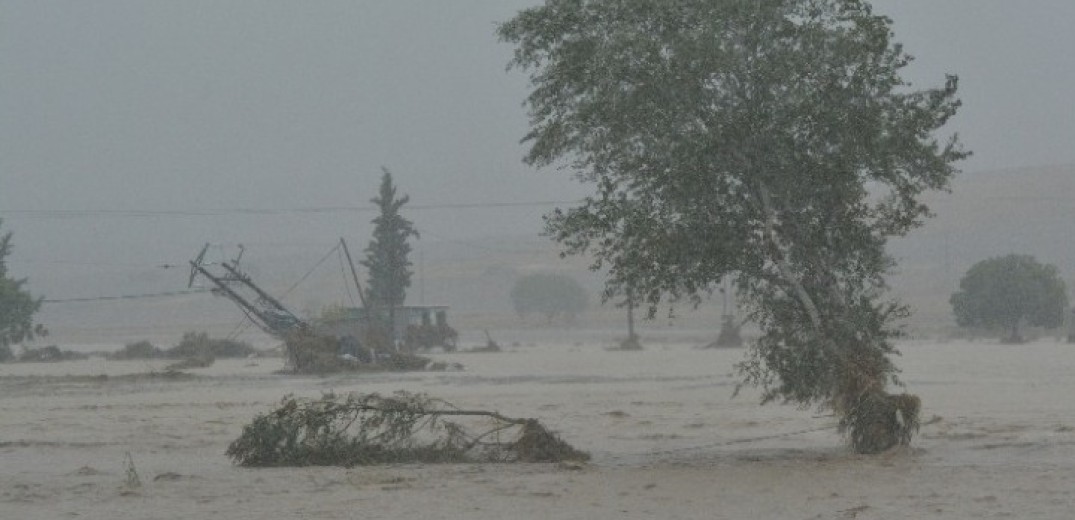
point(48, 354)
point(132, 481)
point(6, 355)
point(198, 345)
point(137, 350)
point(404, 362)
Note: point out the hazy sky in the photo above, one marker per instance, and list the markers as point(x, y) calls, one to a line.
point(192, 106)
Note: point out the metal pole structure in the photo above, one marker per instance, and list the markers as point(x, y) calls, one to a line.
point(261, 321)
point(245, 280)
point(354, 274)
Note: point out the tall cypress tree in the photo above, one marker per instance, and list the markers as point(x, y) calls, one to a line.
point(386, 256)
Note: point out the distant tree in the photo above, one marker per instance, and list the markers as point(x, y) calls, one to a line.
point(770, 141)
point(550, 295)
point(386, 256)
point(17, 307)
point(1009, 292)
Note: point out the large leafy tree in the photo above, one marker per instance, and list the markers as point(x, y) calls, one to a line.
point(1008, 292)
point(386, 255)
point(549, 295)
point(17, 306)
point(772, 142)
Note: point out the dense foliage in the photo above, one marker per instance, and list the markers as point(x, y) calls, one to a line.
point(772, 142)
point(368, 429)
point(17, 307)
point(1009, 292)
point(549, 295)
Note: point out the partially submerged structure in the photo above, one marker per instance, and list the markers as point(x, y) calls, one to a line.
point(415, 328)
point(360, 337)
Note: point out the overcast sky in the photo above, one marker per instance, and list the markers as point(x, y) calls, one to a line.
point(189, 106)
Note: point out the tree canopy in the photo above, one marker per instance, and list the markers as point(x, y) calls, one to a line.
point(770, 141)
point(1008, 292)
point(17, 306)
point(386, 255)
point(550, 295)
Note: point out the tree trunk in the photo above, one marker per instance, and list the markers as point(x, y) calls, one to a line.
point(392, 327)
point(1015, 338)
point(780, 258)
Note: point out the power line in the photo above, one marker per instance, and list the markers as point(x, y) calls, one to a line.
point(61, 214)
point(311, 271)
point(474, 245)
point(126, 296)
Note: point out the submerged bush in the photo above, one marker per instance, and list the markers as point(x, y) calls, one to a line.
point(194, 346)
point(137, 350)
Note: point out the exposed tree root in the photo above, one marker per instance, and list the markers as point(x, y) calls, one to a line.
point(877, 421)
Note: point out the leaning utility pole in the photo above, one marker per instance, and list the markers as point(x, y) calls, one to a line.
point(354, 274)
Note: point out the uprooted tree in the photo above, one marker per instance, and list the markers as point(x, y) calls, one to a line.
point(770, 142)
point(367, 429)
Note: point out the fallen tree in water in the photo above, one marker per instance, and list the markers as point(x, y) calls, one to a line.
point(370, 429)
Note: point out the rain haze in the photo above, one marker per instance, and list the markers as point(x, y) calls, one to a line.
point(132, 133)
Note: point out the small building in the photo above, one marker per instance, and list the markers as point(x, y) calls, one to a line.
point(416, 327)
